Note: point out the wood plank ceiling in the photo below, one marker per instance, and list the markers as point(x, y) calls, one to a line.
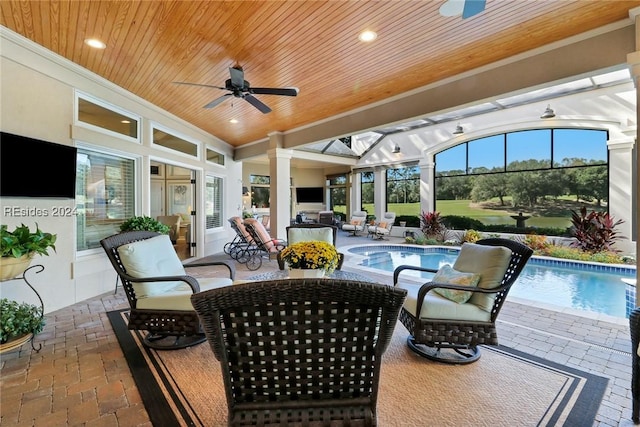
point(312, 45)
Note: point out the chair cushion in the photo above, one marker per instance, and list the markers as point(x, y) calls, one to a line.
point(152, 257)
point(296, 235)
point(446, 274)
point(265, 238)
point(438, 307)
point(490, 262)
point(179, 298)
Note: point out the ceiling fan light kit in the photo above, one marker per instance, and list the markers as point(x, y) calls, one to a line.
point(238, 87)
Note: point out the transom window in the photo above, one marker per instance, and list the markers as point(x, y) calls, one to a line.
point(93, 112)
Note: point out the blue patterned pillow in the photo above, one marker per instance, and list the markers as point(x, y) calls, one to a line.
point(446, 274)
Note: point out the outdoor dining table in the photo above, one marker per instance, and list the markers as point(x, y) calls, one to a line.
point(336, 274)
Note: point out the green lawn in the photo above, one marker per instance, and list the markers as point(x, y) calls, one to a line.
point(552, 217)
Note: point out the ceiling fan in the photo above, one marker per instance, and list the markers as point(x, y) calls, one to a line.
point(240, 88)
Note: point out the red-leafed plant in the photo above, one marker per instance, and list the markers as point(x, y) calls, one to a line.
point(432, 225)
point(594, 231)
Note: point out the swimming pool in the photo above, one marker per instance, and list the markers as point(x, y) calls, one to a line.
point(578, 285)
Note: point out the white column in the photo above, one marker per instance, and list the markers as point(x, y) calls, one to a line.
point(633, 60)
point(620, 190)
point(427, 180)
point(356, 194)
point(379, 192)
point(280, 187)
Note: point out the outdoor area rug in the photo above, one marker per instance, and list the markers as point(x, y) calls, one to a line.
point(504, 388)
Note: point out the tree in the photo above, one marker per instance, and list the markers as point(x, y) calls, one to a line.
point(486, 187)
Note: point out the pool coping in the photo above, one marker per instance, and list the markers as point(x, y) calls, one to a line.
point(352, 261)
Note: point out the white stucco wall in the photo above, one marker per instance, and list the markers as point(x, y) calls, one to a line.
point(37, 100)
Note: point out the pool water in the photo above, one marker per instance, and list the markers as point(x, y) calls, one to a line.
point(582, 286)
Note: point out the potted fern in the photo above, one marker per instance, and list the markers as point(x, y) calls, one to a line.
point(18, 247)
point(19, 322)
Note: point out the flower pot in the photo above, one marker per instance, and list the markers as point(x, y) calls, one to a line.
point(301, 273)
point(15, 343)
point(11, 267)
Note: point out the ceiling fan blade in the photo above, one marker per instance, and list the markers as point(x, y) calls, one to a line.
point(199, 84)
point(286, 91)
point(217, 101)
point(237, 76)
point(257, 103)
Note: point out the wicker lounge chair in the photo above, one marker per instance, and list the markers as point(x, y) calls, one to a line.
point(448, 317)
point(158, 288)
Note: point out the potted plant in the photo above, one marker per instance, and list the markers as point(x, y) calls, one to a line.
point(18, 247)
point(19, 322)
point(144, 223)
point(314, 257)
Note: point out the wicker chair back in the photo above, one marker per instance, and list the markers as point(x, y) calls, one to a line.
point(300, 351)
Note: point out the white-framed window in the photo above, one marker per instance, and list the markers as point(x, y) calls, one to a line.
point(105, 195)
point(103, 117)
point(213, 201)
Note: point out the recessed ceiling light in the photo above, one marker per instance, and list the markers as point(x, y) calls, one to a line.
point(95, 43)
point(367, 36)
point(234, 121)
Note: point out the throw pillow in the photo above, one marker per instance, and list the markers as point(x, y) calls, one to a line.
point(382, 225)
point(355, 222)
point(490, 262)
point(446, 274)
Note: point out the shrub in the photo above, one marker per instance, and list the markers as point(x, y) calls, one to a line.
point(457, 222)
point(411, 220)
point(566, 252)
point(594, 231)
point(144, 223)
point(536, 242)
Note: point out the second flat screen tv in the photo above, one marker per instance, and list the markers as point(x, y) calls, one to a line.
point(310, 194)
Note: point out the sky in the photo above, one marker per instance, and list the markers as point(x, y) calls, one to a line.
point(524, 145)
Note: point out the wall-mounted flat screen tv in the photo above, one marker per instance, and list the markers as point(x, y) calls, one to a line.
point(33, 168)
point(310, 195)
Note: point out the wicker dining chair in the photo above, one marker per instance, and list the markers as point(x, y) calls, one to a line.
point(450, 316)
point(300, 352)
point(158, 287)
